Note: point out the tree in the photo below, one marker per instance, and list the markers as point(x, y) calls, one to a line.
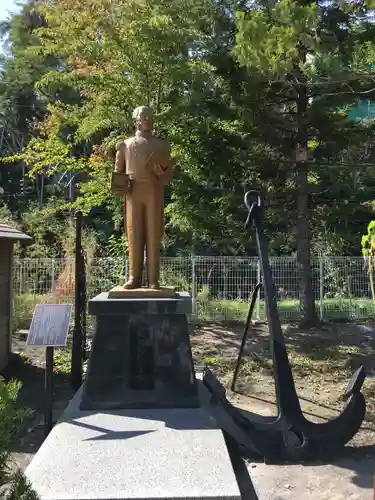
point(21, 106)
point(96, 63)
point(113, 66)
point(157, 57)
point(315, 59)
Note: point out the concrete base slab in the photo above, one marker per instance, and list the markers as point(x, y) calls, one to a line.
point(133, 454)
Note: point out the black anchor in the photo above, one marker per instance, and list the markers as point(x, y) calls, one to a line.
point(289, 435)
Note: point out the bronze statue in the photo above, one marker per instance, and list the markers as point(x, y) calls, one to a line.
point(143, 166)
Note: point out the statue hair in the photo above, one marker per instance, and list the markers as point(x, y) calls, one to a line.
point(141, 109)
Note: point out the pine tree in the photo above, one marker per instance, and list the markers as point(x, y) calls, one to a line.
point(314, 57)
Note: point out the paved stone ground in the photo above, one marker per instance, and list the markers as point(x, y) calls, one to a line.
point(348, 478)
point(345, 480)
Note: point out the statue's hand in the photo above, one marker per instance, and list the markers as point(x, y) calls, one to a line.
point(158, 170)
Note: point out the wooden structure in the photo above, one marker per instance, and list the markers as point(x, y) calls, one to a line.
point(8, 237)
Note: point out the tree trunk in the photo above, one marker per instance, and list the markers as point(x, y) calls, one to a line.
point(306, 293)
point(303, 236)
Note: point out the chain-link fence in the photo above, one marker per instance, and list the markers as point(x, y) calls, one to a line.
point(220, 286)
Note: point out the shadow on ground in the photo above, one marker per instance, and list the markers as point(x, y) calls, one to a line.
point(361, 462)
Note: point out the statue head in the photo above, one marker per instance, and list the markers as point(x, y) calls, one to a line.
point(143, 119)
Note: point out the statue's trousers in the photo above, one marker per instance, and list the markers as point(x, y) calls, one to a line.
point(144, 217)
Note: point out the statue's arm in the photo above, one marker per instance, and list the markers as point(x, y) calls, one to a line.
point(120, 162)
point(167, 174)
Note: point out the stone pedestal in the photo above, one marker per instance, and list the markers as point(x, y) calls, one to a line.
point(141, 355)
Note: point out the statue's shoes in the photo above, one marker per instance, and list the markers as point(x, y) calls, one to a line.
point(154, 286)
point(132, 283)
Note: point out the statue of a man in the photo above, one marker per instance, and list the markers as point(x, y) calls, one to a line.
point(147, 161)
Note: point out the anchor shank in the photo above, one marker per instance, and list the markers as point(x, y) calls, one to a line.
point(286, 394)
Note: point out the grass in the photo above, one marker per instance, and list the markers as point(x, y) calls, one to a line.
point(62, 360)
point(224, 310)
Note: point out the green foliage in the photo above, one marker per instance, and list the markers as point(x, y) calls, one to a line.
point(268, 38)
point(368, 241)
point(67, 241)
point(21, 489)
point(24, 306)
point(12, 422)
point(63, 358)
point(117, 246)
point(316, 60)
point(6, 216)
point(176, 279)
point(334, 308)
point(368, 252)
point(128, 65)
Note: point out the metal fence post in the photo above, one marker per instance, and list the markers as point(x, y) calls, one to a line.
point(194, 286)
point(321, 288)
point(225, 284)
point(79, 305)
point(260, 291)
point(21, 279)
point(53, 284)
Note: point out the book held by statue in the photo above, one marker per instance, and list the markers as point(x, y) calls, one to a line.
point(120, 184)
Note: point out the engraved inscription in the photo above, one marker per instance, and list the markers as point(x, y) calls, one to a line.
point(141, 353)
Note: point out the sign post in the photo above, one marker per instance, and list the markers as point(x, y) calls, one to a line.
point(49, 329)
point(48, 387)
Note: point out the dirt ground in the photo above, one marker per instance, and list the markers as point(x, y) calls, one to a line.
point(322, 359)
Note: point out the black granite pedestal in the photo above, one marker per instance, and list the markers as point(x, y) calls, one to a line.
point(141, 355)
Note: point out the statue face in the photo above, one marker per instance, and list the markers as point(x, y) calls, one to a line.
point(144, 121)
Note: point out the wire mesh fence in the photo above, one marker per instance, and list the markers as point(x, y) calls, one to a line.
point(220, 286)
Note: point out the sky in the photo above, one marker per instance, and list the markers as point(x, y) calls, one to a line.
point(7, 6)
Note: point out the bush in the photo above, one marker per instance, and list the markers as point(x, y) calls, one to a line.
point(12, 421)
point(12, 424)
point(20, 489)
point(23, 308)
